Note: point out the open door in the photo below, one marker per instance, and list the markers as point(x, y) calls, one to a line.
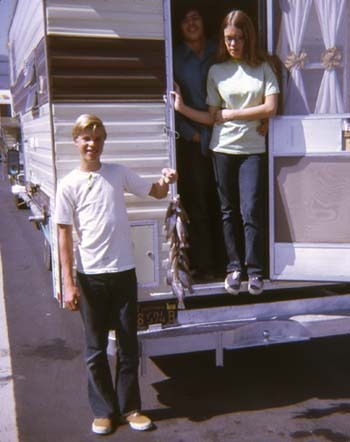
point(309, 155)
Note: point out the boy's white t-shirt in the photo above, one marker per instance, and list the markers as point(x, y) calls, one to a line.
point(93, 202)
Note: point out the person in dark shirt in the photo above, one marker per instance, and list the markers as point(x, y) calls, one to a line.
point(193, 57)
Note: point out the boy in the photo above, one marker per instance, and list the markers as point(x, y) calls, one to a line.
point(193, 57)
point(91, 198)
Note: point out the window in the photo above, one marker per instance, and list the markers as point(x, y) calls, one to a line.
point(313, 45)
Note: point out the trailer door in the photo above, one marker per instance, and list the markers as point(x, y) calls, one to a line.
point(309, 148)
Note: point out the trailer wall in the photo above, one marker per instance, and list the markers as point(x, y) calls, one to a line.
point(105, 58)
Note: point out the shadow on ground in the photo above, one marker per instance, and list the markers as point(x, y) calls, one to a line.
point(255, 379)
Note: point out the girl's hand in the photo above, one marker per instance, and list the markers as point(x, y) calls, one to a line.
point(224, 115)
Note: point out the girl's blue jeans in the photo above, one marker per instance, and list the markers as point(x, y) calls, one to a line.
point(240, 183)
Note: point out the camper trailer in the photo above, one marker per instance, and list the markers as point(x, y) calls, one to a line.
point(113, 58)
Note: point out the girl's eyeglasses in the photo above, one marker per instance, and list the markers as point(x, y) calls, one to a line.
point(230, 40)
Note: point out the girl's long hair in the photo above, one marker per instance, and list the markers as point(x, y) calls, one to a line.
point(252, 55)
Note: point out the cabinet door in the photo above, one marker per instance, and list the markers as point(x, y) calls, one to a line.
point(309, 160)
point(309, 200)
point(145, 243)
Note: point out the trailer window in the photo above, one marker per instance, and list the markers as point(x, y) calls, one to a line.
point(313, 45)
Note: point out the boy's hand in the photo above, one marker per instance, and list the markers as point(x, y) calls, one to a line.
point(177, 101)
point(263, 127)
point(169, 175)
point(71, 298)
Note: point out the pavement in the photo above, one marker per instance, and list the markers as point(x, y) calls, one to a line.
point(290, 393)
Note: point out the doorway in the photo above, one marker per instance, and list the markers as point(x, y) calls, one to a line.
point(213, 12)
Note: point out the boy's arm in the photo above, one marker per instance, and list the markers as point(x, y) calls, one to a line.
point(71, 291)
point(160, 189)
point(202, 117)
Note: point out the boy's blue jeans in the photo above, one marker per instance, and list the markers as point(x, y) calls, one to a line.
point(109, 302)
point(240, 184)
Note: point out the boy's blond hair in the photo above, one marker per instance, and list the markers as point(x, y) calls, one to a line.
point(87, 121)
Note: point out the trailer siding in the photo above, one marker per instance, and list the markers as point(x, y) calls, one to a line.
point(105, 69)
point(30, 90)
point(39, 161)
point(136, 138)
point(27, 29)
point(110, 18)
point(105, 58)
point(108, 58)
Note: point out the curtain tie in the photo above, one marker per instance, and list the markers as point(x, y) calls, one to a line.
point(293, 61)
point(331, 58)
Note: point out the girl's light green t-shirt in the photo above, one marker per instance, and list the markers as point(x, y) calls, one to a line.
point(235, 85)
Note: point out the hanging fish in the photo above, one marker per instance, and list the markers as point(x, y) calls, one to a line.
point(173, 253)
point(181, 231)
point(170, 220)
point(178, 273)
point(179, 292)
point(185, 280)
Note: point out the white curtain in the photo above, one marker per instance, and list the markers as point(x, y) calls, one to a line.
point(295, 15)
point(330, 14)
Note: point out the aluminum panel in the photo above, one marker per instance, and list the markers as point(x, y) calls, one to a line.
point(299, 136)
point(40, 167)
point(110, 18)
point(135, 138)
point(26, 30)
point(301, 262)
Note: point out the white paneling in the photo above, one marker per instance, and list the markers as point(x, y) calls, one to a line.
point(135, 138)
point(300, 136)
point(145, 246)
point(26, 30)
point(135, 135)
point(150, 113)
point(108, 18)
point(324, 262)
point(37, 139)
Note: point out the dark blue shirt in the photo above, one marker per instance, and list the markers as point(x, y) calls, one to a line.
point(190, 73)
